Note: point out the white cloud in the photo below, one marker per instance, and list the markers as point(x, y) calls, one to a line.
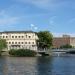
point(49, 4)
point(2, 13)
point(61, 34)
point(51, 20)
point(72, 20)
point(35, 28)
point(36, 2)
point(45, 4)
point(32, 25)
point(41, 3)
point(57, 34)
point(6, 19)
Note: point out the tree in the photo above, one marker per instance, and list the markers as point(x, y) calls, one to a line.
point(3, 44)
point(66, 46)
point(45, 39)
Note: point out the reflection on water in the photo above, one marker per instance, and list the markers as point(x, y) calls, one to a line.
point(44, 65)
point(37, 65)
point(3, 66)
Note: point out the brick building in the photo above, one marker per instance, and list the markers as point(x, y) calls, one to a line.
point(65, 39)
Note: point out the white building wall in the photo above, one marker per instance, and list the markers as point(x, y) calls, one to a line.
point(20, 40)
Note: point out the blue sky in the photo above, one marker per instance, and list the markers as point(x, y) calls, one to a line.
point(57, 16)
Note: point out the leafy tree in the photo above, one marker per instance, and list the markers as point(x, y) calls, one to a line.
point(45, 39)
point(66, 46)
point(3, 44)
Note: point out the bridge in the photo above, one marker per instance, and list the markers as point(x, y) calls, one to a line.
point(55, 51)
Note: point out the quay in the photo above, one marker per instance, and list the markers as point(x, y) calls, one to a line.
point(55, 52)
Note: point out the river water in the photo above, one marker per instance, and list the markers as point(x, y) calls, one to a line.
point(62, 65)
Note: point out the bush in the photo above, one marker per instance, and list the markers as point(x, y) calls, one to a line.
point(66, 46)
point(22, 52)
point(0, 53)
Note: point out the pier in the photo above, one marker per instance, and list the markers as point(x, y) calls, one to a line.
point(55, 52)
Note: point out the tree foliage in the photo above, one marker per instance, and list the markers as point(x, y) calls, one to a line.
point(3, 45)
point(45, 39)
point(22, 52)
point(66, 46)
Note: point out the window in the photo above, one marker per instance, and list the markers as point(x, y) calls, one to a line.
point(3, 36)
point(18, 42)
point(12, 42)
point(32, 42)
point(29, 42)
point(22, 42)
point(6, 36)
point(12, 36)
point(25, 42)
point(15, 36)
point(19, 36)
point(9, 42)
point(26, 36)
point(15, 42)
point(22, 36)
point(29, 36)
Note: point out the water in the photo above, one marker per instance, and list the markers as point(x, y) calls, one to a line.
point(62, 65)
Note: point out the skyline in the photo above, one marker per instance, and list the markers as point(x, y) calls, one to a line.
point(56, 16)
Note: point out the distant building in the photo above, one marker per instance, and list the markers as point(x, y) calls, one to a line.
point(20, 39)
point(65, 39)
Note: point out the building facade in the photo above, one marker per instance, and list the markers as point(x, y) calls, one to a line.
point(65, 39)
point(20, 39)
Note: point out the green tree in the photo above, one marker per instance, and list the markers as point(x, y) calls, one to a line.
point(3, 45)
point(66, 46)
point(45, 39)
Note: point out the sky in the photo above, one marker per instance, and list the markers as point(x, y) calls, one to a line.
point(56, 16)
